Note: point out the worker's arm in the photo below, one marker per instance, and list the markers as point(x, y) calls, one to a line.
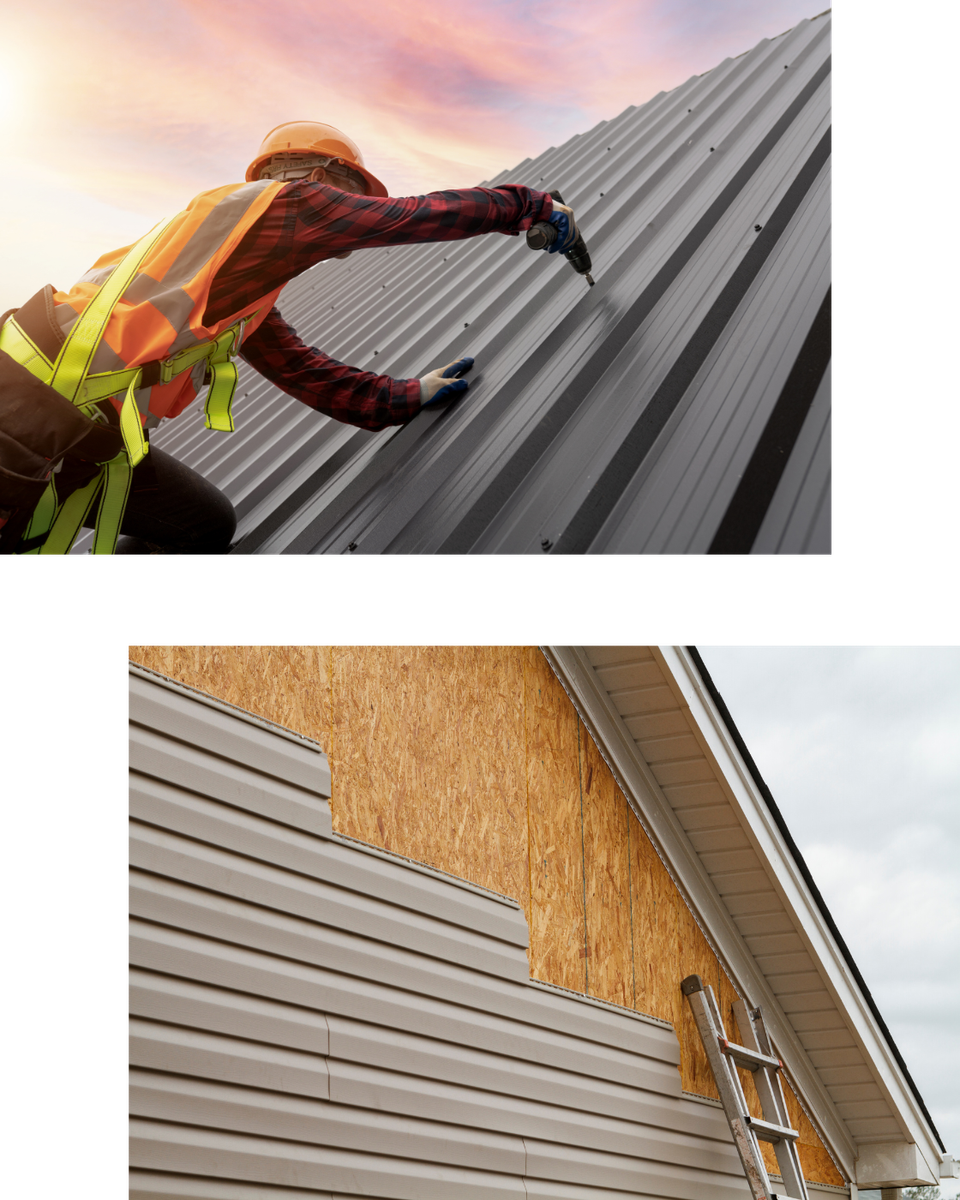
point(309, 222)
point(345, 393)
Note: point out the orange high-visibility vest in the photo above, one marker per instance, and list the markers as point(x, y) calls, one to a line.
point(159, 318)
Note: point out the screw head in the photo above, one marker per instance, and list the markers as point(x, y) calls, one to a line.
point(757, 228)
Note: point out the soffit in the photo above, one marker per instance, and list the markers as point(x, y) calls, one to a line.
point(699, 803)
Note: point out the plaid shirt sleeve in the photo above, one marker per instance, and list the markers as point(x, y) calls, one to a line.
point(344, 393)
point(310, 222)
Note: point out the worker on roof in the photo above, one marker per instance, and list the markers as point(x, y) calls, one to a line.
point(206, 288)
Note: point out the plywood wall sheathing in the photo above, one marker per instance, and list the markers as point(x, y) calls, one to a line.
point(474, 760)
point(557, 940)
point(607, 873)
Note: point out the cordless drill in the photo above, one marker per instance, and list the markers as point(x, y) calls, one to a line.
point(544, 234)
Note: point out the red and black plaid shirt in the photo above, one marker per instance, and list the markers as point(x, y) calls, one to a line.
point(308, 222)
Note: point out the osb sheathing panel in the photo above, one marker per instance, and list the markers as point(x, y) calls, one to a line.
point(475, 761)
point(655, 911)
point(428, 758)
point(286, 684)
point(607, 873)
point(557, 944)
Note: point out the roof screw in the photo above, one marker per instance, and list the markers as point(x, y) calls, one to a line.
point(376, 352)
point(711, 149)
point(601, 193)
point(465, 324)
point(608, 147)
point(757, 228)
point(689, 110)
point(546, 545)
point(352, 547)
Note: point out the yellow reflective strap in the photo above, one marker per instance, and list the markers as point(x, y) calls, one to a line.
point(219, 406)
point(43, 515)
point(131, 427)
point(14, 341)
point(71, 517)
point(74, 359)
point(113, 503)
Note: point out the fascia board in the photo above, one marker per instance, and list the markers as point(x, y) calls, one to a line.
point(669, 837)
point(715, 739)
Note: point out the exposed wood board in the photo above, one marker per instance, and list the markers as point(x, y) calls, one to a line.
point(645, 793)
point(661, 749)
point(607, 878)
point(286, 684)
point(716, 840)
point(696, 958)
point(656, 906)
point(600, 656)
point(720, 748)
point(557, 937)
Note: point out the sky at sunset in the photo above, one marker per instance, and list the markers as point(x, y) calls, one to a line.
point(118, 112)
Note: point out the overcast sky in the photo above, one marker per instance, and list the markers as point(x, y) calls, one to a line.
point(117, 112)
point(861, 751)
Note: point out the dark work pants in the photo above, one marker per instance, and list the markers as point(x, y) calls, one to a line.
point(173, 510)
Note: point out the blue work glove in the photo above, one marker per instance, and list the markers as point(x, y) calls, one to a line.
point(567, 232)
point(434, 391)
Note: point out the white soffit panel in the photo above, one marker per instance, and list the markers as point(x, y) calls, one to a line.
point(632, 674)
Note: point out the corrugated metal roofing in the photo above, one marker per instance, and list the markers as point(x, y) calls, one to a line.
point(679, 406)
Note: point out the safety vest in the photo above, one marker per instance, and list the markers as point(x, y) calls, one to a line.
point(134, 335)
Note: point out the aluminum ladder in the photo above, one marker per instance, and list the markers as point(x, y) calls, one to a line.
point(758, 1057)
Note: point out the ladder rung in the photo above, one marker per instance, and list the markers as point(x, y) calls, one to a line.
point(748, 1058)
point(772, 1133)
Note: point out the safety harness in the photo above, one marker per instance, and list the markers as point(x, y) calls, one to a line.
point(57, 519)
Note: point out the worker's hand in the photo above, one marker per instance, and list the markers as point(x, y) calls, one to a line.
point(567, 230)
point(444, 383)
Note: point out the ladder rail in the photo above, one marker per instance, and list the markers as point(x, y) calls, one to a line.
point(705, 1013)
point(755, 1055)
point(772, 1100)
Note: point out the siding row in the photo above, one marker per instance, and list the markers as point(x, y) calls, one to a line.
point(311, 1013)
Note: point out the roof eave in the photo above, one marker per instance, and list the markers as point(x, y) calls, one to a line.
point(662, 824)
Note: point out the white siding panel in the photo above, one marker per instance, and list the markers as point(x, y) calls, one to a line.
point(172, 1048)
point(149, 1185)
point(195, 1151)
point(312, 1016)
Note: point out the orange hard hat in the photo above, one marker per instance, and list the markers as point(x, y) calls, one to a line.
point(310, 137)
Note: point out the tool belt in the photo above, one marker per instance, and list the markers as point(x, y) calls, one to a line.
point(57, 454)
